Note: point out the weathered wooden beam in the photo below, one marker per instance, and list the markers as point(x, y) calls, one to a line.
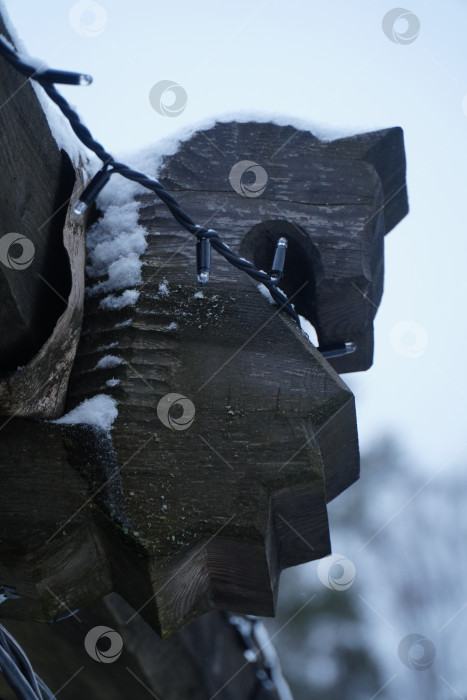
point(205, 659)
point(40, 490)
point(204, 518)
point(41, 255)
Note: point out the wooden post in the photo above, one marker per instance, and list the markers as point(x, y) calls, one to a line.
point(41, 255)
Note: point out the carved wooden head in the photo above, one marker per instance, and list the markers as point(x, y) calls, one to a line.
point(232, 431)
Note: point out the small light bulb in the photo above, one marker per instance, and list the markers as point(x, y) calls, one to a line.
point(203, 277)
point(350, 347)
point(203, 259)
point(279, 260)
point(65, 77)
point(80, 207)
point(92, 189)
point(338, 351)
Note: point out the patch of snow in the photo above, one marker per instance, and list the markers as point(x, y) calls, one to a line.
point(198, 295)
point(63, 134)
point(149, 159)
point(309, 331)
point(122, 273)
point(128, 298)
point(164, 288)
point(107, 242)
point(116, 241)
point(107, 347)
point(266, 293)
point(114, 245)
point(112, 382)
point(123, 324)
point(100, 411)
point(60, 128)
point(109, 361)
point(11, 29)
point(172, 326)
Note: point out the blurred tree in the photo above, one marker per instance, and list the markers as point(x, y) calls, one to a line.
point(403, 530)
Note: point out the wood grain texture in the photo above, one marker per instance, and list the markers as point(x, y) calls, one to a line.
point(219, 509)
point(40, 490)
point(199, 500)
point(335, 201)
point(41, 309)
point(181, 522)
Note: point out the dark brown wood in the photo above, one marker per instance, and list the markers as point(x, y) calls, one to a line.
point(40, 490)
point(180, 522)
point(204, 660)
point(191, 514)
point(222, 507)
point(334, 201)
point(41, 303)
point(183, 521)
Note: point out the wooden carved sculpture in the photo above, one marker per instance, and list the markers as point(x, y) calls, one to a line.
point(184, 512)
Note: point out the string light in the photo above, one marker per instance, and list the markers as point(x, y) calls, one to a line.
point(338, 351)
point(207, 238)
point(92, 189)
point(64, 77)
point(47, 79)
point(279, 260)
point(203, 259)
point(18, 672)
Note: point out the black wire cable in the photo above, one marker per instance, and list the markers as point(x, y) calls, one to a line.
point(18, 672)
point(46, 78)
point(22, 660)
point(45, 690)
point(15, 677)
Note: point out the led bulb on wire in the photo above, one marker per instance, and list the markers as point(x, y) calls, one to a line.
point(80, 208)
point(338, 351)
point(47, 78)
point(91, 190)
point(279, 260)
point(85, 79)
point(203, 259)
point(64, 77)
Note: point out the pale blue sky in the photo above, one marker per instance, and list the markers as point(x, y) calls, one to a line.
point(329, 63)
